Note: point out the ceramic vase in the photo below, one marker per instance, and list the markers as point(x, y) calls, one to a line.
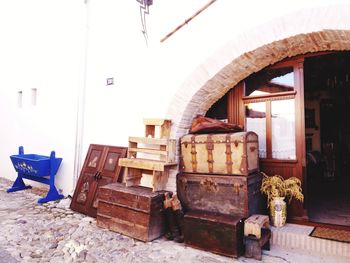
point(278, 211)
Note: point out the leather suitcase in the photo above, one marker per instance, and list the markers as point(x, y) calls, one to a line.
point(231, 195)
point(217, 233)
point(133, 211)
point(225, 153)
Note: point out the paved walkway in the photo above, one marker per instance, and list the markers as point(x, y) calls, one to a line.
point(6, 257)
point(51, 232)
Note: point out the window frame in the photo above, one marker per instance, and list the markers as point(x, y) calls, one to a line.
point(268, 98)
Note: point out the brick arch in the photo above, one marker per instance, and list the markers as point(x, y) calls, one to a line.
point(248, 63)
point(224, 69)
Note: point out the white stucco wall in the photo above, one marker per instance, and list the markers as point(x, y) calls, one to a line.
point(165, 79)
point(44, 48)
point(40, 48)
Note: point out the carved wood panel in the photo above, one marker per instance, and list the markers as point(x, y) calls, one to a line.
point(100, 168)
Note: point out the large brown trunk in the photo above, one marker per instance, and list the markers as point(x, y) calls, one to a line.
point(216, 233)
point(231, 195)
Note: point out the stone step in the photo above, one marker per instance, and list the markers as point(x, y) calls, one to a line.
point(293, 236)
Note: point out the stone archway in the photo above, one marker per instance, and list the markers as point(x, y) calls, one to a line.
point(233, 63)
point(250, 62)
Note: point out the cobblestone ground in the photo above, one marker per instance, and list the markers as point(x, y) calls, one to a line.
point(51, 232)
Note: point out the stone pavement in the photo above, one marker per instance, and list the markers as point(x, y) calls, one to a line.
point(6, 257)
point(51, 232)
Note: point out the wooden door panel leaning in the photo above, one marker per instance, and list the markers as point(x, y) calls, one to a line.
point(225, 153)
point(100, 168)
point(221, 234)
point(134, 211)
point(230, 195)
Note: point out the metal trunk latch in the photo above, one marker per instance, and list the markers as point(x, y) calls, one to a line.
point(208, 184)
point(236, 188)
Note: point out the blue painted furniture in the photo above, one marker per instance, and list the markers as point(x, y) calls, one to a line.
point(36, 167)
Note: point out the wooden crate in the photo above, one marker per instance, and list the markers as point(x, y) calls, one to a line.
point(217, 233)
point(132, 211)
point(155, 156)
point(163, 149)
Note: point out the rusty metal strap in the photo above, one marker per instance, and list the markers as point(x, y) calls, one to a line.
point(210, 147)
point(193, 153)
point(228, 153)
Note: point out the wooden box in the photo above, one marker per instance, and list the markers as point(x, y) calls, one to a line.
point(231, 195)
point(217, 233)
point(133, 211)
point(226, 153)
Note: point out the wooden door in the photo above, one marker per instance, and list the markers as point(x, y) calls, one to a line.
point(109, 171)
point(261, 94)
point(100, 168)
point(295, 167)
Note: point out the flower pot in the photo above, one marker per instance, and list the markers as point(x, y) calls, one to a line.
point(278, 211)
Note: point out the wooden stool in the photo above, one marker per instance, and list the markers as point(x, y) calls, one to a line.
point(253, 245)
point(253, 225)
point(150, 128)
point(256, 235)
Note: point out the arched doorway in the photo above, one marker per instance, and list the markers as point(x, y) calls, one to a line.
point(268, 103)
point(243, 66)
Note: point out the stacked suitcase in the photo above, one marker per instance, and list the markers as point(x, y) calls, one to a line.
point(219, 186)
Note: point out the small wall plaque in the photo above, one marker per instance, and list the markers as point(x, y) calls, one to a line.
point(110, 81)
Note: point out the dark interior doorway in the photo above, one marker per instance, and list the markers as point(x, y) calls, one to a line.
point(327, 128)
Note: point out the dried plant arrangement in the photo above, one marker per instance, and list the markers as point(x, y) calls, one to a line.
point(277, 186)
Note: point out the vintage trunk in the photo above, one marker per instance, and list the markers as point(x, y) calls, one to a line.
point(226, 153)
point(231, 195)
point(134, 211)
point(221, 234)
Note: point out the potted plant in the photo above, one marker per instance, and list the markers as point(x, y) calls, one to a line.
point(276, 188)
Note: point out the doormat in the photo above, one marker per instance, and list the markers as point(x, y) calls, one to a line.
point(331, 234)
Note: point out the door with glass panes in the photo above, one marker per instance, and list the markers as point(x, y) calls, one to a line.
point(270, 103)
